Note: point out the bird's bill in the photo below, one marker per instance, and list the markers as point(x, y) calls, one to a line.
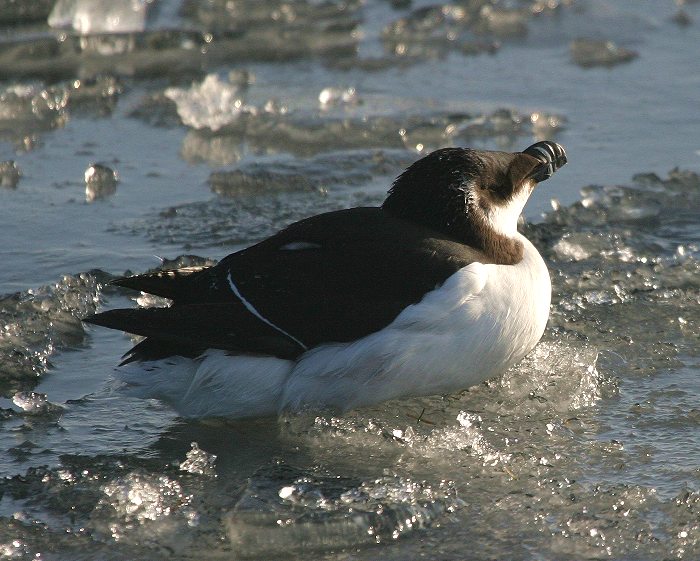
point(551, 155)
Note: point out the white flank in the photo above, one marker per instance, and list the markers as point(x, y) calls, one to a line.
point(215, 384)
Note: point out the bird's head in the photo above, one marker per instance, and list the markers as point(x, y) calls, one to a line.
point(474, 196)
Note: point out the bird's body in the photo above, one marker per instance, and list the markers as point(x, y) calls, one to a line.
point(422, 296)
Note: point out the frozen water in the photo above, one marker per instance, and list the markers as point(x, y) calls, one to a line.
point(320, 173)
point(34, 403)
point(213, 104)
point(529, 454)
point(38, 322)
point(284, 509)
point(335, 96)
point(586, 450)
point(199, 462)
point(99, 16)
point(9, 174)
point(31, 106)
point(589, 52)
point(100, 182)
point(13, 12)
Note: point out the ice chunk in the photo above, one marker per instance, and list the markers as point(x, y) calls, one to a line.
point(199, 462)
point(338, 96)
point(568, 250)
point(589, 52)
point(29, 102)
point(13, 12)
point(99, 16)
point(142, 496)
point(544, 125)
point(33, 403)
point(285, 509)
point(503, 22)
point(100, 182)
point(9, 174)
point(36, 323)
point(213, 104)
point(217, 150)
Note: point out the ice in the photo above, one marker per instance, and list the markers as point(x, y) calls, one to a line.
point(219, 150)
point(317, 174)
point(473, 28)
point(241, 216)
point(320, 20)
point(141, 496)
point(225, 127)
point(13, 12)
point(9, 174)
point(34, 403)
point(31, 102)
point(617, 269)
point(503, 23)
point(100, 182)
point(545, 125)
point(213, 104)
point(102, 91)
point(99, 16)
point(557, 376)
point(433, 31)
point(199, 462)
point(337, 96)
point(285, 509)
point(590, 52)
point(467, 436)
point(307, 134)
point(36, 323)
point(28, 109)
point(565, 249)
point(240, 183)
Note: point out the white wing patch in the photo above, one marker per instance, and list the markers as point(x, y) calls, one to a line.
point(258, 315)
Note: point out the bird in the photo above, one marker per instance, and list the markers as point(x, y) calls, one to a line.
point(430, 293)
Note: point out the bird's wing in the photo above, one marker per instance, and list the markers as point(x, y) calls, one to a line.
point(331, 278)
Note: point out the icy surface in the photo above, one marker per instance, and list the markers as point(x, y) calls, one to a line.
point(589, 52)
point(36, 323)
point(588, 449)
point(213, 104)
point(99, 16)
point(9, 174)
point(100, 182)
point(284, 509)
point(574, 444)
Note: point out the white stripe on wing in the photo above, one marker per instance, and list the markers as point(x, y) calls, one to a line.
point(258, 315)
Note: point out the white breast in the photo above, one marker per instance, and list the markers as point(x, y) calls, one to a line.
point(482, 320)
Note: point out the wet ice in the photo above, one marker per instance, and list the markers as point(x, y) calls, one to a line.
point(587, 449)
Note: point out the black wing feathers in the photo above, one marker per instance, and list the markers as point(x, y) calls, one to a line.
point(220, 326)
point(334, 277)
point(168, 284)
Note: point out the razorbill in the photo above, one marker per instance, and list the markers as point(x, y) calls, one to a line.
point(432, 292)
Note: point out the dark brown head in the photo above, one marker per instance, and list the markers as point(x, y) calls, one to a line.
point(474, 196)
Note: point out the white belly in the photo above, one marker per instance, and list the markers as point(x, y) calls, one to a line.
point(482, 320)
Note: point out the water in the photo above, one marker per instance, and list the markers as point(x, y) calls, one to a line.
point(589, 449)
